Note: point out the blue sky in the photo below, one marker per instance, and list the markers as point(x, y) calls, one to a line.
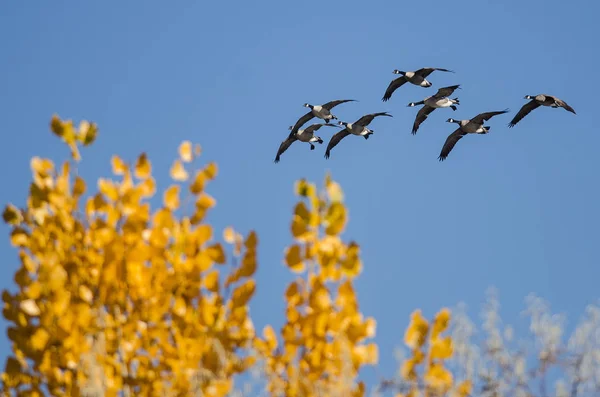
point(516, 209)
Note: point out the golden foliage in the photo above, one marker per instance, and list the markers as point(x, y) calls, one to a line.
point(110, 286)
point(430, 349)
point(324, 338)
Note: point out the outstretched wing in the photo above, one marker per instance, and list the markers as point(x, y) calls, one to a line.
point(332, 104)
point(421, 116)
point(314, 127)
point(564, 105)
point(524, 111)
point(394, 85)
point(446, 91)
point(335, 139)
point(424, 72)
point(301, 121)
point(450, 142)
point(283, 147)
point(366, 119)
point(481, 117)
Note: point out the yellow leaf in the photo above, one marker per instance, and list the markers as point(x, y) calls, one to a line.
point(305, 189)
point(335, 219)
point(19, 237)
point(30, 307)
point(464, 389)
point(178, 172)
point(270, 337)
point(87, 132)
point(108, 189)
point(211, 281)
point(39, 339)
point(78, 187)
point(143, 167)
point(293, 259)
point(300, 229)
point(171, 197)
point(293, 295)
point(197, 186)
point(438, 377)
point(85, 294)
point(408, 370)
point(42, 166)
point(56, 126)
point(205, 201)
point(351, 264)
point(197, 150)
point(12, 215)
point(203, 234)
point(319, 298)
point(251, 241)
point(185, 151)
point(243, 293)
point(179, 307)
point(440, 322)
point(415, 334)
point(34, 290)
point(229, 235)
point(118, 166)
point(216, 253)
point(211, 170)
point(441, 348)
point(147, 187)
point(367, 354)
point(335, 193)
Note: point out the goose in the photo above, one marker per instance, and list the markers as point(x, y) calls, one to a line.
point(305, 135)
point(537, 101)
point(438, 100)
point(320, 111)
point(473, 126)
point(417, 77)
point(359, 127)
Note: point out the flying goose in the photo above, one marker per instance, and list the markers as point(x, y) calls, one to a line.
point(305, 135)
point(417, 77)
point(320, 111)
point(438, 100)
point(537, 101)
point(473, 126)
point(359, 127)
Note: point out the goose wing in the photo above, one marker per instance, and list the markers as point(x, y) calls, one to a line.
point(301, 121)
point(394, 85)
point(481, 117)
point(446, 91)
point(450, 142)
point(330, 105)
point(524, 111)
point(284, 146)
point(366, 119)
point(562, 104)
point(335, 139)
point(424, 72)
point(421, 116)
point(314, 127)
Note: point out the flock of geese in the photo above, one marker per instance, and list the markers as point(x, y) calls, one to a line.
point(441, 99)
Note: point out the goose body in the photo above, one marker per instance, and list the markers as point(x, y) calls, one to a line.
point(472, 126)
point(304, 135)
point(359, 128)
point(418, 77)
point(537, 101)
point(438, 100)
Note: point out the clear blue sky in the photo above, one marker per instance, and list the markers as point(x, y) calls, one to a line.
point(516, 209)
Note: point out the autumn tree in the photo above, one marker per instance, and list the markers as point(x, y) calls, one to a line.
point(114, 297)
